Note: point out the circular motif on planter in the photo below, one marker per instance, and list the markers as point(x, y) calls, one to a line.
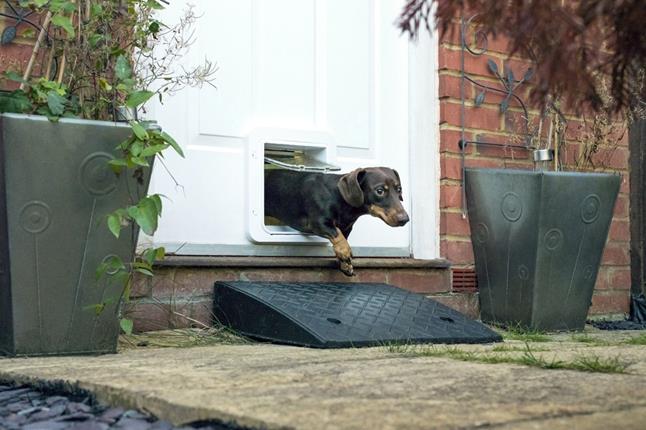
point(553, 239)
point(95, 174)
point(590, 208)
point(512, 207)
point(523, 272)
point(35, 217)
point(481, 233)
point(588, 272)
point(105, 260)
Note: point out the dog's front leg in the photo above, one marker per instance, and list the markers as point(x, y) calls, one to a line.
point(343, 253)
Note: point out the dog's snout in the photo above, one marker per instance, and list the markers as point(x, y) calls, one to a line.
point(402, 219)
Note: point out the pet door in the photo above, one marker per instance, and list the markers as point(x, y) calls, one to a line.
point(299, 160)
point(304, 151)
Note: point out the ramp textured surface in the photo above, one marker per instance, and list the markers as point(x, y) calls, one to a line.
point(337, 315)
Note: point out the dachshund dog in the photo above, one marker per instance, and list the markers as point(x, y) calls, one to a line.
point(328, 205)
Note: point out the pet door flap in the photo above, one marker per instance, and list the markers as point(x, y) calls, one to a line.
point(297, 160)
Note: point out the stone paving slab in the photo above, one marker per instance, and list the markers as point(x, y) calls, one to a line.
point(270, 386)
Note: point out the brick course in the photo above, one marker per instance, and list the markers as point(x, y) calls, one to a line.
point(180, 297)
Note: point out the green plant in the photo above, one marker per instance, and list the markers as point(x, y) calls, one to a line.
point(638, 340)
point(583, 363)
point(102, 58)
point(518, 332)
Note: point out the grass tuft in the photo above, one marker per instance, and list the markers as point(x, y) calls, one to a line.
point(638, 340)
point(399, 348)
point(182, 338)
point(518, 332)
point(590, 340)
point(514, 348)
point(598, 364)
point(591, 363)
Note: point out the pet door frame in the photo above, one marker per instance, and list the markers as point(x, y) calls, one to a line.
point(319, 156)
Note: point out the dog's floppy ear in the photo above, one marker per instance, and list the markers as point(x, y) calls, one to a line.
point(350, 187)
point(400, 182)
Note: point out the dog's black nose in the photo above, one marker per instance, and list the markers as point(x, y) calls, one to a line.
point(402, 219)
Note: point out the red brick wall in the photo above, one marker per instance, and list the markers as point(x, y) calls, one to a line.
point(15, 55)
point(613, 283)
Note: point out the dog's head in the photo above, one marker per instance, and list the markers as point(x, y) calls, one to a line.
point(379, 190)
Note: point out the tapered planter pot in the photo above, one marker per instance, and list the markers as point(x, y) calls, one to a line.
point(538, 238)
point(56, 189)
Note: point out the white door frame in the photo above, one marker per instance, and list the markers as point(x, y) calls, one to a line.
point(424, 135)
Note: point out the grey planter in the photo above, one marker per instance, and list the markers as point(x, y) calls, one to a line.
point(55, 191)
point(538, 238)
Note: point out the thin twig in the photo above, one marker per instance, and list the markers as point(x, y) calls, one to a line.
point(34, 52)
point(200, 323)
point(50, 61)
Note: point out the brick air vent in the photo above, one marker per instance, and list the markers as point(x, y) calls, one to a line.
point(464, 281)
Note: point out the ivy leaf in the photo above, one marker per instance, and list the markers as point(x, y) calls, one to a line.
point(69, 6)
point(140, 161)
point(104, 84)
point(101, 269)
point(168, 139)
point(13, 76)
point(154, 4)
point(153, 149)
point(65, 22)
point(154, 27)
point(147, 216)
point(122, 68)
point(137, 98)
point(56, 102)
point(133, 211)
point(528, 74)
point(138, 130)
point(98, 308)
point(144, 271)
point(480, 98)
point(94, 40)
point(149, 255)
point(96, 9)
point(160, 253)
point(117, 165)
point(16, 102)
point(136, 148)
point(157, 201)
point(126, 325)
point(492, 66)
point(28, 33)
point(111, 265)
point(114, 224)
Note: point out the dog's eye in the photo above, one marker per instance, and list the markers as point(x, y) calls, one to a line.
point(399, 189)
point(380, 191)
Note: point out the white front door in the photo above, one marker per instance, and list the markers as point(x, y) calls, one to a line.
point(332, 73)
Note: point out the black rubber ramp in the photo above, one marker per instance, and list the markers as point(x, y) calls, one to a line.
point(341, 315)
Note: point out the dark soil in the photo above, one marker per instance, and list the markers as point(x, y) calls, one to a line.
point(27, 408)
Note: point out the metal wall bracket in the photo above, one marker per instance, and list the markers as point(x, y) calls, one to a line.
point(507, 86)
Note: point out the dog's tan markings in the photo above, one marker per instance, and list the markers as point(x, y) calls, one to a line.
point(388, 216)
point(343, 253)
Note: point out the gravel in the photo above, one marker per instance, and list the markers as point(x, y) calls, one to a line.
point(25, 408)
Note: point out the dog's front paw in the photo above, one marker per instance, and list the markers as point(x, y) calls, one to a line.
point(346, 268)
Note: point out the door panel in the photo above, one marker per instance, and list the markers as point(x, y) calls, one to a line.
point(332, 67)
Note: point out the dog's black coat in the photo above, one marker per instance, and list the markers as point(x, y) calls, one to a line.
point(328, 205)
point(309, 202)
point(320, 203)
